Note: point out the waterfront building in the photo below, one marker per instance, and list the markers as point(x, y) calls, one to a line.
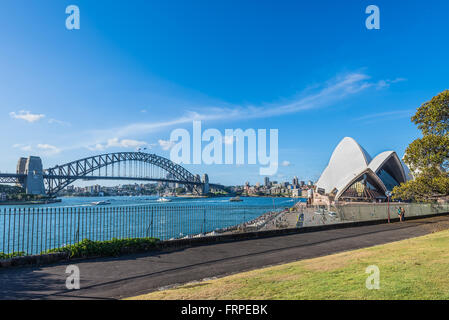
point(246, 188)
point(353, 175)
point(296, 193)
point(304, 193)
point(295, 182)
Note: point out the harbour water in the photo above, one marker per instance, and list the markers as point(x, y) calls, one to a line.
point(147, 200)
point(38, 228)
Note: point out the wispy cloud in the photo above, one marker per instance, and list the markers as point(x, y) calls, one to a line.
point(328, 94)
point(285, 163)
point(381, 84)
point(60, 122)
point(22, 147)
point(388, 115)
point(26, 115)
point(228, 140)
point(166, 144)
point(324, 95)
point(120, 143)
point(48, 149)
point(44, 148)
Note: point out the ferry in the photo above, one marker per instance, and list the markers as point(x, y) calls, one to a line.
point(235, 199)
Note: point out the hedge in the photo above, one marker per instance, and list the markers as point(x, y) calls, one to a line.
point(114, 247)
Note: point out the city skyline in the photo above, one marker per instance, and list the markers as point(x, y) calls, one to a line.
point(132, 74)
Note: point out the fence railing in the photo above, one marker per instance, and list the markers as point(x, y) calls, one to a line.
point(378, 211)
point(37, 230)
point(352, 212)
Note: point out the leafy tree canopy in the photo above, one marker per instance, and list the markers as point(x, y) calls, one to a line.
point(430, 151)
point(433, 116)
point(428, 157)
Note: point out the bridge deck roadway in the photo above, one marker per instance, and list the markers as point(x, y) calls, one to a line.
point(132, 275)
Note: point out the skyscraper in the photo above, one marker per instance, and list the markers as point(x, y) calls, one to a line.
point(267, 182)
point(295, 182)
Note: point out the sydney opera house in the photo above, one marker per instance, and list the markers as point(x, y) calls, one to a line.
point(352, 175)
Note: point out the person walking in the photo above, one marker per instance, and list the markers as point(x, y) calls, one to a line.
point(400, 213)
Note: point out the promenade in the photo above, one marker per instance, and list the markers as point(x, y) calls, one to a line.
point(127, 276)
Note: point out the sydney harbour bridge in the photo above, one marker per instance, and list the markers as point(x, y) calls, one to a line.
point(136, 166)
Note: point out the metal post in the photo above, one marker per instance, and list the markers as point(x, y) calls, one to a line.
point(77, 235)
point(14, 231)
point(150, 227)
point(23, 230)
point(32, 231)
point(39, 227)
point(4, 227)
point(204, 222)
point(388, 206)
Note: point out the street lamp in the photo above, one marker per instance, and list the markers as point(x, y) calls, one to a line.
point(388, 194)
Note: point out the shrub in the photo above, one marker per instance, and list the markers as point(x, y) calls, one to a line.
point(11, 255)
point(114, 247)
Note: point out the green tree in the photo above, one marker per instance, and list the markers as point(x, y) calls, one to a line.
point(428, 157)
point(180, 190)
point(433, 116)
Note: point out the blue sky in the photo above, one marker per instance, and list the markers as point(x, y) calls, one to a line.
point(136, 70)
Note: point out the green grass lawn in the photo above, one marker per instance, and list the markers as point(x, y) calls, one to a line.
point(417, 268)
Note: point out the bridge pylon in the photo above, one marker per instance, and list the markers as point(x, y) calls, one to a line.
point(205, 181)
point(32, 168)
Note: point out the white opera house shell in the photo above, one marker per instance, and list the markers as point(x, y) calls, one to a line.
point(352, 174)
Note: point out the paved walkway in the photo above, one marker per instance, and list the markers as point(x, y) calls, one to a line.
point(128, 276)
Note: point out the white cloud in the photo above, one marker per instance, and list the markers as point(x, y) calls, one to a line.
point(386, 83)
point(285, 163)
point(125, 143)
point(327, 94)
point(117, 143)
point(388, 115)
point(166, 144)
point(55, 121)
point(323, 95)
point(48, 149)
point(97, 147)
point(228, 140)
point(26, 115)
point(22, 147)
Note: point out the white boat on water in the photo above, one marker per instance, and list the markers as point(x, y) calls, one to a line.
point(163, 200)
point(235, 199)
point(100, 203)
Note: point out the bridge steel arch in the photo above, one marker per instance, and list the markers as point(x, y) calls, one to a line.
point(58, 177)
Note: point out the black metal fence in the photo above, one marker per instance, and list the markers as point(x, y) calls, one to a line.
point(36, 230)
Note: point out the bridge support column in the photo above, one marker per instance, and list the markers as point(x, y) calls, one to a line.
point(206, 188)
point(34, 180)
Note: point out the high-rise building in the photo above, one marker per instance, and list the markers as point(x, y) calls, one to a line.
point(295, 182)
point(267, 182)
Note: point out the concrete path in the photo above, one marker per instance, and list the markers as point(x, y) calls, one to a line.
point(112, 278)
